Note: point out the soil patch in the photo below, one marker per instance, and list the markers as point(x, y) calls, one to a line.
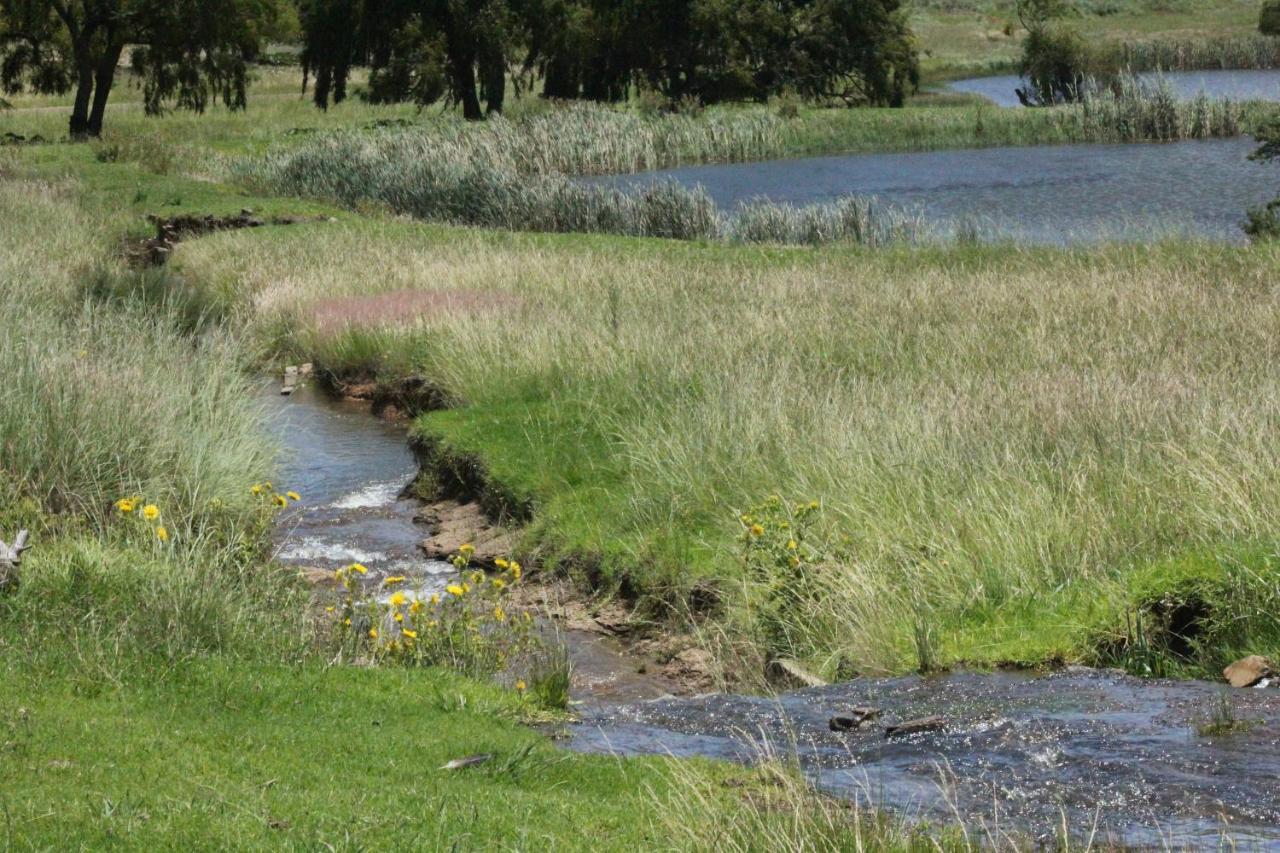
point(172, 230)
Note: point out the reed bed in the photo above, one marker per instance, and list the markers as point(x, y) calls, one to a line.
point(1238, 52)
point(521, 175)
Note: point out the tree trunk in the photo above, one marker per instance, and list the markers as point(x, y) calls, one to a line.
point(104, 78)
point(493, 68)
point(464, 88)
point(84, 92)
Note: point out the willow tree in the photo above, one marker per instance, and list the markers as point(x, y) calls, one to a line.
point(185, 52)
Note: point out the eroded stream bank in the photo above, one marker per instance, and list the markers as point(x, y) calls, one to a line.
point(1017, 753)
point(353, 470)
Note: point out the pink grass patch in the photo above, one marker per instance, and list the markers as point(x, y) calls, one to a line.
point(405, 307)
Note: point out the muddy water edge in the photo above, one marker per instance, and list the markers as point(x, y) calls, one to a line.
point(1014, 755)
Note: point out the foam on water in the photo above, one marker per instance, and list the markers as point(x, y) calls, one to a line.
point(373, 495)
point(333, 552)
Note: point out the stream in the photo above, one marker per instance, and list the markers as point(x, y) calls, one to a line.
point(1019, 751)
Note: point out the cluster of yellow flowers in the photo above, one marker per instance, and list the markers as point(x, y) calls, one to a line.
point(468, 627)
point(149, 512)
point(266, 491)
point(774, 528)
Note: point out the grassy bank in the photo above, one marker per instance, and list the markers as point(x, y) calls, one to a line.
point(166, 691)
point(1006, 444)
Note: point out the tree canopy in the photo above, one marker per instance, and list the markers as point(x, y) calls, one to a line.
point(466, 51)
point(186, 52)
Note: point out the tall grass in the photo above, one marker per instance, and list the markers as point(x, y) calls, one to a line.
point(1235, 52)
point(99, 401)
point(998, 438)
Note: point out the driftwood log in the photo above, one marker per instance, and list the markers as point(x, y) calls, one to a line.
point(10, 560)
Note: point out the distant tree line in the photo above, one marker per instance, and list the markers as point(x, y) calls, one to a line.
point(469, 52)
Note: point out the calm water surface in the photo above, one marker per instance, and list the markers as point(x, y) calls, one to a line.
point(1041, 194)
point(1239, 85)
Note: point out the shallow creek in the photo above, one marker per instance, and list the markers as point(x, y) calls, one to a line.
point(1018, 752)
point(352, 470)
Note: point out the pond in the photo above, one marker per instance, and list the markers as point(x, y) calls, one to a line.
point(1043, 194)
point(1238, 85)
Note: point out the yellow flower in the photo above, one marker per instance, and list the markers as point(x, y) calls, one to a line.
point(328, 610)
point(412, 635)
point(294, 496)
point(373, 633)
point(435, 598)
point(515, 570)
point(499, 614)
point(791, 545)
point(255, 489)
point(454, 589)
point(346, 622)
point(466, 587)
point(416, 606)
point(498, 583)
point(399, 617)
point(393, 580)
point(267, 485)
point(520, 685)
point(757, 530)
point(162, 533)
point(501, 563)
point(124, 505)
point(795, 561)
point(477, 577)
point(151, 512)
point(467, 550)
point(281, 501)
point(398, 599)
point(356, 567)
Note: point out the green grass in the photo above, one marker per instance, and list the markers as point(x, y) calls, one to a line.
point(222, 755)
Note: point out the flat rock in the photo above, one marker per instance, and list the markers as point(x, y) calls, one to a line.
point(912, 727)
point(1247, 672)
point(464, 524)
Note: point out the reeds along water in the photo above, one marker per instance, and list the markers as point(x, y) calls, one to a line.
point(1243, 52)
point(519, 175)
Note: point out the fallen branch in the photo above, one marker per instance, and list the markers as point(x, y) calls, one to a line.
point(10, 560)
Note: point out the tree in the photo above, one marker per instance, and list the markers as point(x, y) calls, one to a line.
point(185, 51)
point(1269, 18)
point(859, 51)
point(418, 50)
point(1053, 56)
